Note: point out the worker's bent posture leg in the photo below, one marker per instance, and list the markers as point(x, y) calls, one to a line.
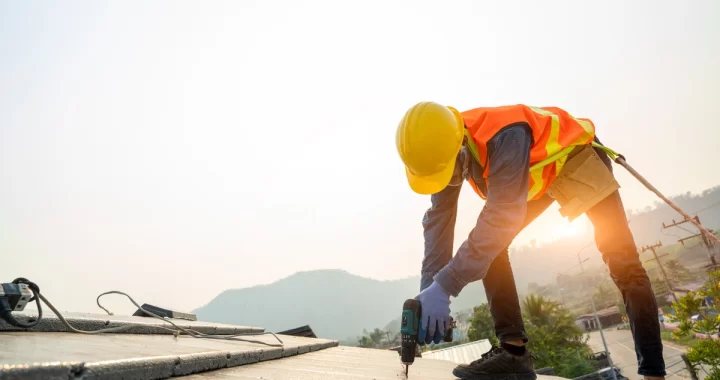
point(511, 360)
point(615, 241)
point(500, 289)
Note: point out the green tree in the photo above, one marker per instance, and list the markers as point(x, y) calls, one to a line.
point(365, 342)
point(706, 351)
point(482, 325)
point(677, 273)
point(376, 336)
point(538, 309)
point(660, 289)
point(554, 337)
point(373, 339)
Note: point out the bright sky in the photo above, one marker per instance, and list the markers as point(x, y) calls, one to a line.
point(174, 149)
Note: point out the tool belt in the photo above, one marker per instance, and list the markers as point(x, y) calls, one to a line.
point(583, 182)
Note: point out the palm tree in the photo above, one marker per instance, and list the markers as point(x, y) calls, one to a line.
point(539, 310)
point(549, 324)
point(377, 336)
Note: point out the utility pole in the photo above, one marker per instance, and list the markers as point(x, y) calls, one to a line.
point(562, 296)
point(597, 320)
point(707, 241)
point(690, 368)
point(662, 270)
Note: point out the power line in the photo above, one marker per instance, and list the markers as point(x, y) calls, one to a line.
point(685, 229)
point(706, 236)
point(710, 206)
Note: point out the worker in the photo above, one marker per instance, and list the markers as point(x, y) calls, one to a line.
point(519, 159)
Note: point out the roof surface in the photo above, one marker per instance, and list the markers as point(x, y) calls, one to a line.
point(340, 363)
point(52, 355)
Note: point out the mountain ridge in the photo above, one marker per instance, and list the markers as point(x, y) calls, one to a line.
point(305, 296)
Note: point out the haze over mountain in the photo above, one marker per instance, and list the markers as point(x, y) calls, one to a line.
point(335, 303)
point(339, 305)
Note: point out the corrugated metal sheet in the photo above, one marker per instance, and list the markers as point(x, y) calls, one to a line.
point(305, 331)
point(460, 354)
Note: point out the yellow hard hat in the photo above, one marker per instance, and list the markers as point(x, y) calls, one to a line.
point(428, 140)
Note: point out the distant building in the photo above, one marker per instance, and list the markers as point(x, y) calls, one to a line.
point(608, 317)
point(682, 291)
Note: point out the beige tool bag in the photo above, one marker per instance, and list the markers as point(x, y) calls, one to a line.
point(583, 182)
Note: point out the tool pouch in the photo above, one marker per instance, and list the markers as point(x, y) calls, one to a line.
point(583, 182)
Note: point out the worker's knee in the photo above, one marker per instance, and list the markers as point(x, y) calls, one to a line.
point(627, 270)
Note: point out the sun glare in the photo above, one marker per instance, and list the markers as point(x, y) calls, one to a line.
point(574, 228)
point(565, 229)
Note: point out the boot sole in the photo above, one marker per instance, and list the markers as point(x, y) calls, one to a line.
point(510, 376)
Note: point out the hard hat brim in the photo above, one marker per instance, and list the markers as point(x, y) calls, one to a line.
point(427, 185)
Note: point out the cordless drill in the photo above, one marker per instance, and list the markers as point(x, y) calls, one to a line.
point(409, 330)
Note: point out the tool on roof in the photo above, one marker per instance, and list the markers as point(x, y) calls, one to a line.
point(409, 331)
point(16, 295)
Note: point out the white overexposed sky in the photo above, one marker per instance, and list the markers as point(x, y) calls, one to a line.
point(174, 149)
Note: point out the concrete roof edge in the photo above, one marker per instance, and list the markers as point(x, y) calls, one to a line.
point(158, 367)
point(140, 325)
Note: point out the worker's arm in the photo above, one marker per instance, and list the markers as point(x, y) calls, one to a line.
point(439, 226)
point(502, 216)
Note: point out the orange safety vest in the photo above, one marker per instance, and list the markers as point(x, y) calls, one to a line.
point(555, 134)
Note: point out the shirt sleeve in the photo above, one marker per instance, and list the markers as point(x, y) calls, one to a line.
point(439, 227)
point(503, 215)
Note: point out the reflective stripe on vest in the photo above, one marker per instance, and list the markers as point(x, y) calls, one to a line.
point(547, 157)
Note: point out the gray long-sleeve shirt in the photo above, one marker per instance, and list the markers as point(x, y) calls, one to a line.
point(500, 220)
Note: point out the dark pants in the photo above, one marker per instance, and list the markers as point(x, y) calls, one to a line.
point(615, 241)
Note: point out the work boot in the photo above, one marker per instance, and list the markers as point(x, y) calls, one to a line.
point(498, 364)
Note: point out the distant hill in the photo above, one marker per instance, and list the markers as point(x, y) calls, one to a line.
point(335, 303)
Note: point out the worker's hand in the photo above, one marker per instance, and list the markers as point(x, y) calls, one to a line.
point(434, 314)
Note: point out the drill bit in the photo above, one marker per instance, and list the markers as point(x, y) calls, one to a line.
point(406, 370)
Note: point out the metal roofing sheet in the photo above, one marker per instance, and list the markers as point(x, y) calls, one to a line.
point(305, 331)
point(461, 354)
point(600, 313)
